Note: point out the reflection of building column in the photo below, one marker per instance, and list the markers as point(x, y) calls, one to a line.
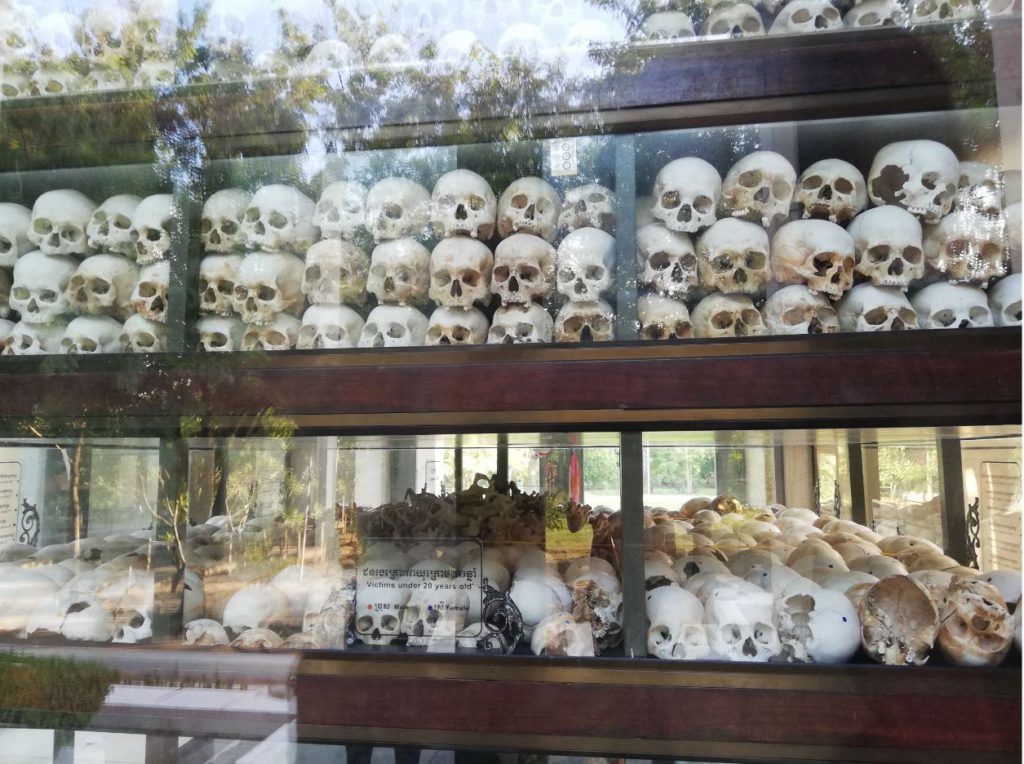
point(954, 520)
point(799, 475)
point(756, 477)
point(730, 472)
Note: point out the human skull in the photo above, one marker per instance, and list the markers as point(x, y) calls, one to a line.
point(281, 333)
point(920, 176)
point(727, 315)
point(205, 632)
point(35, 339)
point(875, 13)
point(1004, 300)
point(219, 334)
point(463, 204)
point(394, 326)
point(141, 335)
point(676, 625)
point(597, 600)
point(14, 224)
point(59, 220)
point(105, 34)
point(818, 626)
point(379, 611)
point(980, 188)
point(888, 244)
point(560, 634)
point(932, 11)
point(257, 640)
point(155, 74)
point(523, 41)
point(686, 194)
point(151, 228)
point(457, 326)
point(217, 275)
point(524, 269)
point(399, 272)
point(732, 256)
point(588, 206)
point(832, 189)
point(110, 227)
point(102, 285)
point(951, 306)
point(87, 619)
point(279, 218)
point(733, 20)
point(741, 623)
point(585, 264)
point(814, 252)
point(804, 16)
point(38, 289)
point(87, 335)
point(898, 622)
point(966, 247)
point(529, 205)
point(221, 221)
point(397, 208)
point(329, 326)
point(460, 273)
point(975, 625)
point(431, 616)
point(266, 284)
point(341, 211)
point(667, 25)
point(1007, 582)
point(585, 322)
point(258, 606)
point(336, 272)
point(759, 187)
point(149, 297)
point(868, 308)
point(53, 80)
point(520, 325)
point(663, 319)
point(666, 260)
point(797, 309)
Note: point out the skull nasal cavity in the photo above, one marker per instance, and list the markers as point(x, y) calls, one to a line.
point(762, 194)
point(460, 212)
point(685, 213)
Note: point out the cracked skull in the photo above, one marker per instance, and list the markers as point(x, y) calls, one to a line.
point(817, 253)
point(920, 176)
point(217, 283)
point(759, 188)
point(588, 206)
point(975, 625)
point(832, 189)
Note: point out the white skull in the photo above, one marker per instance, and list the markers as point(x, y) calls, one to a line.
point(798, 310)
point(560, 634)
point(523, 41)
point(585, 322)
point(889, 247)
point(258, 606)
point(328, 619)
point(257, 640)
point(588, 206)
point(521, 324)
point(966, 246)
point(597, 601)
point(106, 32)
point(814, 252)
point(686, 194)
point(1004, 300)
point(35, 339)
point(329, 326)
point(667, 25)
point(431, 616)
point(87, 335)
point(538, 597)
point(732, 256)
point(975, 625)
point(804, 16)
point(980, 188)
point(102, 285)
point(727, 315)
point(397, 208)
point(394, 326)
point(150, 294)
point(279, 218)
point(951, 306)
point(151, 228)
point(585, 264)
point(379, 610)
point(133, 608)
point(341, 211)
point(14, 224)
point(759, 187)
point(676, 625)
point(876, 13)
point(818, 626)
point(920, 176)
point(741, 623)
point(460, 273)
point(457, 326)
point(221, 222)
point(529, 205)
point(666, 260)
point(39, 283)
point(399, 272)
point(524, 269)
point(898, 622)
point(931, 11)
point(282, 333)
point(155, 74)
point(995, 8)
point(59, 219)
point(217, 275)
point(733, 20)
point(87, 619)
point(205, 632)
point(218, 334)
point(869, 308)
point(110, 227)
point(336, 272)
point(662, 318)
point(102, 77)
point(141, 335)
point(832, 189)
point(267, 284)
point(463, 204)
point(51, 80)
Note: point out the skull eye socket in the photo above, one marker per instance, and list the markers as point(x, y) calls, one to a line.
point(722, 263)
point(266, 293)
point(42, 226)
point(442, 278)
point(206, 225)
point(470, 278)
point(719, 27)
point(226, 287)
point(501, 274)
point(524, 329)
point(670, 200)
point(393, 211)
point(404, 275)
point(217, 340)
point(843, 186)
point(594, 273)
point(519, 201)
point(660, 261)
point(252, 214)
point(876, 316)
point(703, 204)
point(334, 333)
point(476, 203)
point(312, 273)
point(277, 220)
point(460, 334)
point(978, 313)
point(364, 624)
point(596, 197)
point(528, 273)
point(229, 227)
point(48, 295)
point(750, 317)
point(275, 337)
point(396, 331)
point(750, 179)
point(688, 261)
point(991, 250)
point(543, 205)
point(781, 189)
point(802, 16)
point(21, 293)
point(145, 340)
point(879, 253)
point(908, 317)
point(653, 331)
point(99, 286)
point(812, 182)
point(750, 24)
point(147, 290)
point(831, 14)
point(721, 320)
point(756, 260)
point(793, 317)
point(930, 180)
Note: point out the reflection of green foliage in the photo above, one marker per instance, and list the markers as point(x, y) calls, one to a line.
point(601, 469)
point(57, 693)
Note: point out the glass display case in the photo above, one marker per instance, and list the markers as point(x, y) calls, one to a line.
point(482, 380)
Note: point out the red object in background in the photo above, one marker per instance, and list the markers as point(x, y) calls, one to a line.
point(574, 476)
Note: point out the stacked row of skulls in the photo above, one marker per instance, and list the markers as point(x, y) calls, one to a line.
point(938, 226)
point(85, 278)
point(301, 251)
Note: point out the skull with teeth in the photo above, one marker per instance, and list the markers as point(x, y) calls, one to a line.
point(102, 285)
point(951, 306)
point(870, 308)
point(281, 333)
point(39, 283)
point(150, 294)
point(520, 325)
point(14, 224)
point(151, 228)
point(279, 218)
point(832, 189)
point(585, 322)
point(663, 319)
point(803, 16)
point(741, 623)
point(457, 326)
point(110, 227)
point(980, 188)
point(930, 11)
point(759, 188)
point(329, 326)
point(586, 264)
point(221, 222)
point(268, 284)
point(875, 13)
point(217, 283)
point(733, 20)
point(394, 326)
point(35, 339)
point(397, 208)
point(341, 211)
point(814, 252)
point(140, 335)
point(88, 335)
point(966, 247)
point(727, 315)
point(1004, 300)
point(732, 256)
point(399, 272)
point(588, 206)
point(336, 272)
point(529, 205)
point(920, 176)
point(218, 334)
point(798, 310)
point(668, 25)
point(888, 244)
point(460, 273)
point(524, 269)
point(59, 220)
point(666, 260)
point(463, 204)
point(686, 194)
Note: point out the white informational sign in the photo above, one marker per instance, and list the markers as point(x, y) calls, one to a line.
point(564, 159)
point(10, 496)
